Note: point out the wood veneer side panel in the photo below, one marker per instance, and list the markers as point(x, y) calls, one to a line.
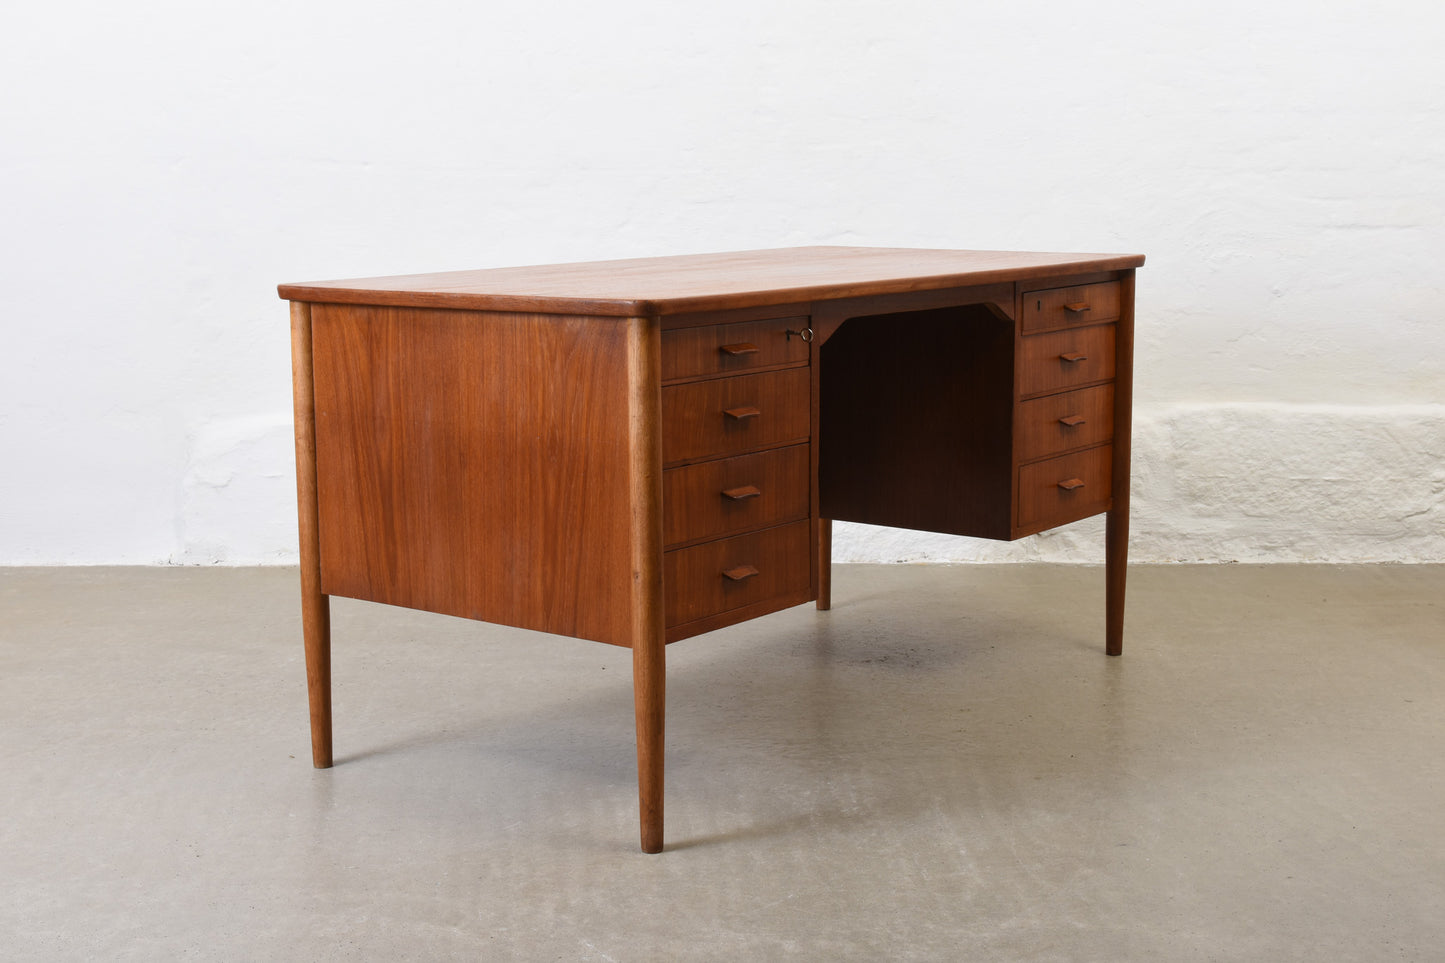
point(477, 464)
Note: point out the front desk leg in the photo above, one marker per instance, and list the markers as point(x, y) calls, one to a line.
point(648, 637)
point(649, 694)
point(315, 607)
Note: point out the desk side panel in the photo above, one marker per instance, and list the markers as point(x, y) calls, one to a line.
point(477, 464)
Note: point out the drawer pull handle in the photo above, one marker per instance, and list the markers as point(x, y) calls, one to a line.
point(742, 493)
point(740, 573)
point(1071, 421)
point(1073, 357)
point(1071, 484)
point(742, 414)
point(1076, 307)
point(742, 347)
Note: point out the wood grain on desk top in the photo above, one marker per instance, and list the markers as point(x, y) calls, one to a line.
point(705, 282)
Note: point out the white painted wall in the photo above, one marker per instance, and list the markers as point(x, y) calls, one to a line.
point(1282, 165)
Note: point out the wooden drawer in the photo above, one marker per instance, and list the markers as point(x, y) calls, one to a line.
point(1066, 359)
point(706, 419)
point(730, 573)
point(734, 494)
point(1065, 489)
point(1074, 419)
point(1065, 307)
point(732, 348)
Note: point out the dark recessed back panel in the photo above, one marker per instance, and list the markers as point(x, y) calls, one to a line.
point(915, 425)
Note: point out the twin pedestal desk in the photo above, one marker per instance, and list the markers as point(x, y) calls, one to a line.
point(640, 451)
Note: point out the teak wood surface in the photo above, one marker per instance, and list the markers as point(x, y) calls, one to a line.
point(731, 495)
point(705, 282)
point(642, 451)
point(476, 464)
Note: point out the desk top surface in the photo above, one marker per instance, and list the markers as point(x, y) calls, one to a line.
point(641, 287)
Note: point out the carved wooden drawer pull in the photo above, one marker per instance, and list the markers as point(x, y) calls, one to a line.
point(1071, 484)
point(1076, 307)
point(740, 573)
point(741, 493)
point(1071, 421)
point(742, 414)
point(742, 347)
point(1073, 357)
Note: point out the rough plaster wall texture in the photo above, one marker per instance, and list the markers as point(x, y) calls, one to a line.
point(165, 164)
point(1247, 483)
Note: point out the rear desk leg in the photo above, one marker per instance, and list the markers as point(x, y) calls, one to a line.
point(1116, 566)
point(825, 564)
point(649, 672)
point(315, 607)
point(1116, 537)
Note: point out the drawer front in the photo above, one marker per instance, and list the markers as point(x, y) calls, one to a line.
point(1065, 489)
point(734, 494)
point(708, 419)
point(732, 348)
point(727, 574)
point(1058, 423)
point(1064, 307)
point(1066, 359)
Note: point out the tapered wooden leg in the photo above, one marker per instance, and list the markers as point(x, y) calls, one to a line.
point(316, 626)
point(649, 675)
point(1116, 570)
point(1116, 536)
point(825, 564)
point(315, 607)
point(649, 692)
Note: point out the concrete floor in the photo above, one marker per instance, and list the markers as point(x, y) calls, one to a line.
point(944, 767)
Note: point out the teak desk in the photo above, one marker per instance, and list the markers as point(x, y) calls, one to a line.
point(645, 450)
